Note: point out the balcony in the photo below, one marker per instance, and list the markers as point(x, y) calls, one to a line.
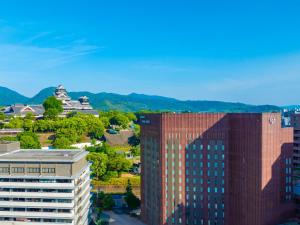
point(44, 215)
point(49, 205)
point(6, 194)
point(32, 223)
point(36, 185)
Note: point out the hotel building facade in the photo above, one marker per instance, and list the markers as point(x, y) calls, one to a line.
point(295, 122)
point(215, 169)
point(43, 187)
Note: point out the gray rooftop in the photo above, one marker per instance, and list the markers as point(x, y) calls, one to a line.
point(10, 151)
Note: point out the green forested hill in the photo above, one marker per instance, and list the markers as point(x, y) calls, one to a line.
point(136, 102)
point(8, 97)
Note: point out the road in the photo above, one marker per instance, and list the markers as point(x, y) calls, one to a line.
point(121, 219)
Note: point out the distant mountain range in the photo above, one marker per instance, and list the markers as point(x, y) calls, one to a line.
point(135, 102)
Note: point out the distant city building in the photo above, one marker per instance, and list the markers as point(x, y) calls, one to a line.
point(215, 169)
point(41, 187)
point(21, 110)
point(81, 105)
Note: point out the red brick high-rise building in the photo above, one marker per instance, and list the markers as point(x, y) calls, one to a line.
point(215, 169)
point(295, 122)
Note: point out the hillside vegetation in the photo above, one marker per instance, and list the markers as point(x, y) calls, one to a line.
point(136, 102)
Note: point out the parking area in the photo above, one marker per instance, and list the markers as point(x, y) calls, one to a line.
point(121, 219)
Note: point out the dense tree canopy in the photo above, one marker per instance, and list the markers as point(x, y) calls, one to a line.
point(116, 162)
point(29, 140)
point(99, 164)
point(53, 107)
point(119, 120)
point(14, 123)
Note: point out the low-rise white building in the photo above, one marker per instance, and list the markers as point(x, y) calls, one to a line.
point(43, 187)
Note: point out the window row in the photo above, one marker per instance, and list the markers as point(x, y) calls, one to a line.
point(29, 170)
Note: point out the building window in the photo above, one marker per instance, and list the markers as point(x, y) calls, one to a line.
point(33, 170)
point(4, 169)
point(18, 169)
point(48, 170)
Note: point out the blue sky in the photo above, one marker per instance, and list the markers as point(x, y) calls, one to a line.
point(240, 51)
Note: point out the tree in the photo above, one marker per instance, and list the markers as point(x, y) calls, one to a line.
point(28, 125)
point(132, 201)
point(14, 123)
point(107, 202)
point(128, 187)
point(119, 120)
point(99, 164)
point(95, 127)
point(2, 116)
point(44, 125)
point(29, 116)
point(61, 143)
point(134, 140)
point(68, 133)
point(105, 121)
point(119, 163)
point(53, 107)
point(131, 116)
point(136, 150)
point(29, 140)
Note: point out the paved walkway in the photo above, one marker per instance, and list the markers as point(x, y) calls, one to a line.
point(121, 219)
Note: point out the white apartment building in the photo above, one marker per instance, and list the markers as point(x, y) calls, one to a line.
point(43, 187)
